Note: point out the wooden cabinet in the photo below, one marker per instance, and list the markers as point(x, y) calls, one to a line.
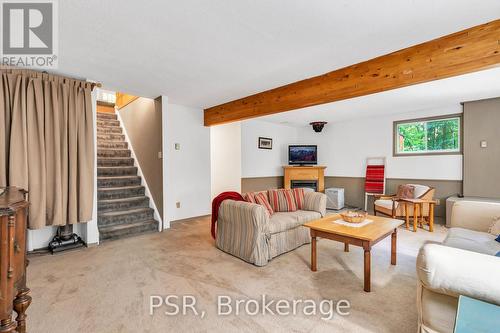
point(13, 290)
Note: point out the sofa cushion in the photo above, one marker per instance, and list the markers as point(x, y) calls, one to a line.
point(249, 197)
point(406, 191)
point(298, 195)
point(282, 200)
point(386, 203)
point(419, 190)
point(261, 199)
point(282, 221)
point(495, 226)
point(305, 216)
point(471, 240)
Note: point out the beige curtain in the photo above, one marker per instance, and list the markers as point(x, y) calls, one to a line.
point(47, 145)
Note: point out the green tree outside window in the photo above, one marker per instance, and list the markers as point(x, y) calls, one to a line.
point(429, 136)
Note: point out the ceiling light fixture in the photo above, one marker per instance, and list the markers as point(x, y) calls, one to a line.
point(318, 125)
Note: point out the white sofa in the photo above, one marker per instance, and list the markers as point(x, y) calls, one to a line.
point(464, 264)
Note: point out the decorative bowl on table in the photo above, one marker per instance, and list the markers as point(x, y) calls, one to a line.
point(354, 216)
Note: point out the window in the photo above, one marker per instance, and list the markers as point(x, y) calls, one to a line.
point(436, 135)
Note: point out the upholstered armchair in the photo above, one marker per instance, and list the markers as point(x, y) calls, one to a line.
point(391, 205)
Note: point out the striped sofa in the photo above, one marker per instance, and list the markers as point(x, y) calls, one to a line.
point(246, 230)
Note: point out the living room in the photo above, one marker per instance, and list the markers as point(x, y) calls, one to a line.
point(259, 151)
point(351, 137)
point(258, 167)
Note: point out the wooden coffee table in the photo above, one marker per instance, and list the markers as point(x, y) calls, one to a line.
point(365, 236)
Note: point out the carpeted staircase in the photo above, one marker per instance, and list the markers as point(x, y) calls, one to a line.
point(123, 208)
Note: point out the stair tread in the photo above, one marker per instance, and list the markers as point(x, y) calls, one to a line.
point(126, 225)
point(113, 149)
point(109, 142)
point(125, 211)
point(120, 188)
point(117, 167)
point(108, 130)
point(106, 127)
point(115, 158)
point(112, 141)
point(104, 162)
point(102, 171)
point(99, 117)
point(106, 140)
point(118, 177)
point(103, 145)
point(109, 125)
point(129, 199)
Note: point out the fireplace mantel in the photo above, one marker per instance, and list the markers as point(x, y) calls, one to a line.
point(316, 172)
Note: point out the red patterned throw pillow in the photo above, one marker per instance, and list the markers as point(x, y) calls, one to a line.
point(249, 197)
point(282, 200)
point(298, 194)
point(261, 199)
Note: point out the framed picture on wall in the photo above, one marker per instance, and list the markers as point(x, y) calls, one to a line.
point(265, 143)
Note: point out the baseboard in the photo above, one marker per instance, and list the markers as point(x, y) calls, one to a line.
point(191, 218)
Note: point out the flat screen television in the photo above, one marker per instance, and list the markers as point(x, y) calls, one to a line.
point(302, 154)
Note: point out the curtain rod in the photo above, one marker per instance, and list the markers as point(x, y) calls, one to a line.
point(95, 84)
point(92, 84)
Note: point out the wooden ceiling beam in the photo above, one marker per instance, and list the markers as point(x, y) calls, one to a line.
point(463, 52)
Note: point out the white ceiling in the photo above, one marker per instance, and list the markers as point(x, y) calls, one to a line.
point(430, 95)
point(206, 52)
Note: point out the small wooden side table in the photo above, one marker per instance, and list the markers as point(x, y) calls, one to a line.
point(418, 209)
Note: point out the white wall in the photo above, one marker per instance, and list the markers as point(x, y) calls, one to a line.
point(40, 238)
point(187, 170)
point(225, 148)
point(344, 146)
point(90, 230)
point(257, 162)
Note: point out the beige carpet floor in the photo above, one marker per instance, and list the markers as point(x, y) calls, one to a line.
point(108, 288)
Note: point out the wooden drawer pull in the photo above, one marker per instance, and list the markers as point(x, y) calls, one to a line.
point(12, 230)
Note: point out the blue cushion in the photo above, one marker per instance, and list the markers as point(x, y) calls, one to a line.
point(498, 239)
point(498, 254)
